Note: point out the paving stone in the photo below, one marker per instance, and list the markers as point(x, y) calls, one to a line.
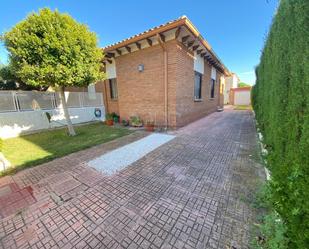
point(187, 193)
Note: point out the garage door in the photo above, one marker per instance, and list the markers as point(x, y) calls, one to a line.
point(242, 98)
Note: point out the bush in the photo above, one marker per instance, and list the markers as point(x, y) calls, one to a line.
point(281, 104)
point(272, 233)
point(109, 116)
point(136, 121)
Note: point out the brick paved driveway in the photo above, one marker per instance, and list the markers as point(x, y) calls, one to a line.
point(188, 193)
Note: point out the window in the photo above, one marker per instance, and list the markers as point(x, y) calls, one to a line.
point(113, 88)
point(197, 86)
point(212, 88)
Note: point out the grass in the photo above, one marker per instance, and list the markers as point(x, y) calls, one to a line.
point(243, 107)
point(30, 150)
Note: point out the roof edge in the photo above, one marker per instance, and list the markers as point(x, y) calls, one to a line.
point(182, 21)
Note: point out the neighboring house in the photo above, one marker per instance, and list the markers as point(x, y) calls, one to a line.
point(240, 96)
point(168, 74)
point(231, 81)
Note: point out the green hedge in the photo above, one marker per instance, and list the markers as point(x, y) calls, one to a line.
point(281, 104)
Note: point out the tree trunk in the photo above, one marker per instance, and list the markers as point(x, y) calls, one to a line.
point(66, 112)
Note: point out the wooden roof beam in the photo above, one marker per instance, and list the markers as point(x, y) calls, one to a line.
point(138, 45)
point(118, 51)
point(128, 49)
point(195, 47)
point(177, 32)
point(185, 38)
point(149, 41)
point(110, 55)
point(162, 37)
point(190, 44)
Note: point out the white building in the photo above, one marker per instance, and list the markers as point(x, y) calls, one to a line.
point(230, 82)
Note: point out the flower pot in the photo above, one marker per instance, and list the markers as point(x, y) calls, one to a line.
point(109, 122)
point(149, 128)
point(116, 119)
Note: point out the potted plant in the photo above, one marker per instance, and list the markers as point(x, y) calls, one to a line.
point(149, 126)
point(109, 120)
point(115, 117)
point(136, 121)
point(125, 122)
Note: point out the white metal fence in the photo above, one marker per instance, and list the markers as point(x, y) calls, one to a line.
point(12, 101)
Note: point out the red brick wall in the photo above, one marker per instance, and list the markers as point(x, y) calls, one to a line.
point(142, 93)
point(189, 110)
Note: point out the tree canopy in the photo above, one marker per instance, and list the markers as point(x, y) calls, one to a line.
point(51, 49)
point(243, 84)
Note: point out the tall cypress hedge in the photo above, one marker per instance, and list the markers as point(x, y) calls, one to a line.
point(281, 104)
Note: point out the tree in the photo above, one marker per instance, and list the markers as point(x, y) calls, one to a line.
point(49, 48)
point(243, 84)
point(9, 81)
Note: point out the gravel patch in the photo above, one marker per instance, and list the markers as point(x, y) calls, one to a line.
point(122, 157)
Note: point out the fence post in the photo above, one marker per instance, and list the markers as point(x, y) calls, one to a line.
point(81, 99)
point(53, 99)
point(15, 100)
point(102, 100)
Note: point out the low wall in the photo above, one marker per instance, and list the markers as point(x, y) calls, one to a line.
point(13, 124)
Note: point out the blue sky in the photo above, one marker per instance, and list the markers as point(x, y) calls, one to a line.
point(236, 29)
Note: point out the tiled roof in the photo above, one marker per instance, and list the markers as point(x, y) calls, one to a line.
point(146, 31)
point(181, 21)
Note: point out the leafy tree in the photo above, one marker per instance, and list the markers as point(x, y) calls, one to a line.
point(9, 81)
point(243, 84)
point(49, 48)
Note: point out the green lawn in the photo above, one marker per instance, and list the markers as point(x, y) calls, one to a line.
point(242, 107)
point(30, 150)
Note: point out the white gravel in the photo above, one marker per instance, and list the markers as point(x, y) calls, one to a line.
point(120, 158)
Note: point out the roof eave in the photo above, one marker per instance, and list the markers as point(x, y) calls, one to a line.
point(146, 35)
point(183, 21)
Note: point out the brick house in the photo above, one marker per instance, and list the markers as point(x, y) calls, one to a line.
point(168, 74)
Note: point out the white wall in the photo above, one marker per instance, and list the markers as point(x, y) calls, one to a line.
point(13, 124)
point(111, 70)
point(242, 98)
point(213, 73)
point(198, 63)
point(235, 81)
point(230, 82)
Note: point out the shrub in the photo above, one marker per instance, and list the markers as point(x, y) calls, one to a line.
point(281, 104)
point(109, 116)
point(136, 121)
point(272, 233)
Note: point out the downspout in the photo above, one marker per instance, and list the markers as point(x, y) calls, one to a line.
point(165, 81)
point(105, 95)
